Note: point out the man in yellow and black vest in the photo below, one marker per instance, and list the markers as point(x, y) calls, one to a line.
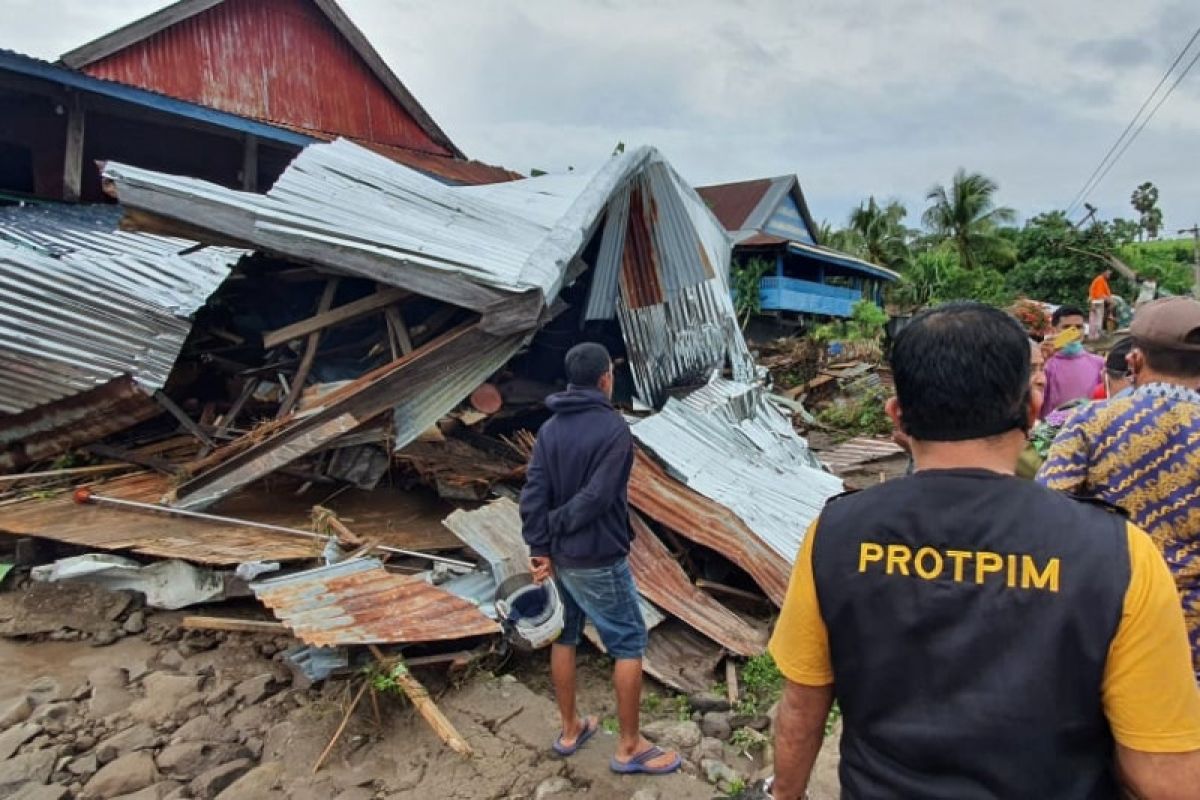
point(984, 637)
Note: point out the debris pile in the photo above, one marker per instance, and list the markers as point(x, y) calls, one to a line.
point(284, 395)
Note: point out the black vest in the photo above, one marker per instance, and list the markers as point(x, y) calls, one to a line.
point(970, 617)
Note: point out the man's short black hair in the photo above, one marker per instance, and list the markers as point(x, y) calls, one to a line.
point(1066, 311)
point(1173, 363)
point(962, 372)
point(586, 363)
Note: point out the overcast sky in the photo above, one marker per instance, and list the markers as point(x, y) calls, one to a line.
point(882, 97)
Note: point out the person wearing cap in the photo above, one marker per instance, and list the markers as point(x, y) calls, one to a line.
point(984, 637)
point(1141, 451)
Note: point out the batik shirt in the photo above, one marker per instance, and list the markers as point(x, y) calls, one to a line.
point(1142, 453)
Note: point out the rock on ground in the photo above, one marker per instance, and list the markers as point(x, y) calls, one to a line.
point(163, 695)
point(39, 791)
point(207, 785)
point(715, 725)
point(17, 711)
point(33, 767)
point(16, 736)
point(134, 738)
point(205, 728)
point(646, 793)
point(261, 782)
point(127, 774)
point(706, 701)
point(672, 734)
point(156, 791)
point(187, 760)
point(718, 772)
point(551, 787)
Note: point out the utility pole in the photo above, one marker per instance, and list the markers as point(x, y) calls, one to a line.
point(1195, 232)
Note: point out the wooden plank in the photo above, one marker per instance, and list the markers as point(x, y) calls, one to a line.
point(187, 422)
point(230, 624)
point(73, 158)
point(63, 473)
point(421, 700)
point(310, 352)
point(340, 315)
point(399, 329)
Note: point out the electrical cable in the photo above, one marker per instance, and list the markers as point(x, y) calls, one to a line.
point(1090, 183)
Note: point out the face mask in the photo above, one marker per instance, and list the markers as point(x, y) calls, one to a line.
point(1073, 349)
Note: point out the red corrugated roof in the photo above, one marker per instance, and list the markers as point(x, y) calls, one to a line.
point(731, 203)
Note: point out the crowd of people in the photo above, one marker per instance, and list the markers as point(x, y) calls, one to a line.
point(985, 635)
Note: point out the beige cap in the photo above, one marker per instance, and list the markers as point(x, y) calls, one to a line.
point(1172, 323)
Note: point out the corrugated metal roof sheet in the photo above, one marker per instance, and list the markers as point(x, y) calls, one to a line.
point(28, 66)
point(664, 582)
point(857, 452)
point(727, 443)
point(733, 202)
point(360, 602)
point(80, 306)
point(346, 208)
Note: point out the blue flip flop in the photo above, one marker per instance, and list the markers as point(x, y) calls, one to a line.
point(638, 764)
point(589, 730)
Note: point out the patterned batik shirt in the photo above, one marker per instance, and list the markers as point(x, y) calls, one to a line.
point(1142, 453)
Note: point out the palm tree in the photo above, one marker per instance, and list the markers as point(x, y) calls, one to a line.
point(966, 214)
point(881, 232)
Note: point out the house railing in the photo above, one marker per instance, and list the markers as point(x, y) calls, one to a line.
point(806, 297)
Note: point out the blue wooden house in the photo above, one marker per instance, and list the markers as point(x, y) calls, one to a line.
point(769, 219)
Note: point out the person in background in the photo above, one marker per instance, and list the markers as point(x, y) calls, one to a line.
point(1072, 372)
point(1099, 296)
point(1118, 380)
point(1147, 290)
point(1030, 460)
point(575, 519)
point(1141, 451)
point(984, 637)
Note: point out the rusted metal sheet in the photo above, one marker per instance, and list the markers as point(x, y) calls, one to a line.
point(360, 602)
point(278, 61)
point(693, 516)
point(676, 656)
point(732, 203)
point(664, 583)
point(47, 431)
point(389, 516)
point(857, 452)
point(104, 528)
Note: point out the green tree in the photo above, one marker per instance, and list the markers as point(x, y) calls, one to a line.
point(965, 213)
point(1056, 261)
point(1145, 201)
point(747, 295)
point(881, 232)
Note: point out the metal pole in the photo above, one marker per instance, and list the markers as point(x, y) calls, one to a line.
point(84, 496)
point(1195, 232)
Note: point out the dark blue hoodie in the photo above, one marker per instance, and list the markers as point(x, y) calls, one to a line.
point(575, 505)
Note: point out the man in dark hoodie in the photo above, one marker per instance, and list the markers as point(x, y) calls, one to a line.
point(575, 519)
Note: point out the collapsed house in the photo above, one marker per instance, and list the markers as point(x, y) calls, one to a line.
point(363, 319)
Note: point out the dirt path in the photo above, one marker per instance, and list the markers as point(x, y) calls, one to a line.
point(178, 694)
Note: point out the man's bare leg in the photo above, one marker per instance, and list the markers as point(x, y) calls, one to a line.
point(627, 678)
point(562, 675)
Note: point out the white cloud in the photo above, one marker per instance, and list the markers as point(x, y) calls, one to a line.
point(855, 96)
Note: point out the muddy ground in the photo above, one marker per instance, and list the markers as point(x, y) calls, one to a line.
point(166, 713)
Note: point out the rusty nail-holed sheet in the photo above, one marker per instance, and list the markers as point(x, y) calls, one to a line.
point(665, 583)
point(692, 515)
point(360, 602)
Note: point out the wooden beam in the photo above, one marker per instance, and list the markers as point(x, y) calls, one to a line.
point(398, 330)
point(187, 422)
point(310, 352)
point(73, 159)
point(229, 624)
point(338, 316)
point(63, 473)
point(421, 700)
point(250, 163)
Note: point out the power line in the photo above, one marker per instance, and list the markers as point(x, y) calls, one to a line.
point(1145, 122)
point(1088, 184)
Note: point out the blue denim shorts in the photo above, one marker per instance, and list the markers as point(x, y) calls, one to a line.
point(607, 597)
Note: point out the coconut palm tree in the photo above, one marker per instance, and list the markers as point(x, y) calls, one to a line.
point(965, 213)
point(881, 233)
